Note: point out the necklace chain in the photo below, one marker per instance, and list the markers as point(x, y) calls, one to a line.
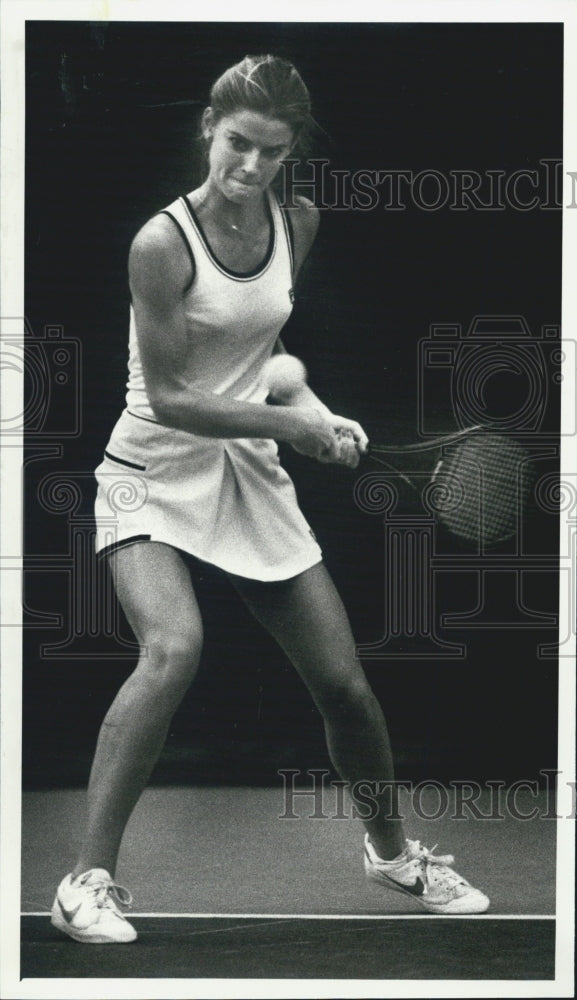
point(226, 225)
point(236, 229)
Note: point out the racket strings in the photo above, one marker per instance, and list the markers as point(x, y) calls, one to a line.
point(479, 487)
point(491, 474)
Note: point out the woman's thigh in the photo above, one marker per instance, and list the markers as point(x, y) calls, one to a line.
point(307, 618)
point(154, 588)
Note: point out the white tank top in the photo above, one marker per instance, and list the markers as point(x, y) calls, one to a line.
point(233, 319)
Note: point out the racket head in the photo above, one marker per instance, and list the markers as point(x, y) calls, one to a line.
point(480, 487)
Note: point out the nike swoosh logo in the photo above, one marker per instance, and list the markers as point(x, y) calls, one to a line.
point(69, 914)
point(417, 889)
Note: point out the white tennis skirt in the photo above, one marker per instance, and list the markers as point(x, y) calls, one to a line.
point(227, 502)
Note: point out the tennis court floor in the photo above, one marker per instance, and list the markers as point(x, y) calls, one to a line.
point(223, 887)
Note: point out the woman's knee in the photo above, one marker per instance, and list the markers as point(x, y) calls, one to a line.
point(170, 659)
point(347, 695)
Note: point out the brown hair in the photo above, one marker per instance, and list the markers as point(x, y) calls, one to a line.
point(267, 84)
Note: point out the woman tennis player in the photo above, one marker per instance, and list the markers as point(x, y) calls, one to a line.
point(212, 279)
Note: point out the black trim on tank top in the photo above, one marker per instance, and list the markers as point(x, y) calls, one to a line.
point(185, 240)
point(227, 270)
point(290, 234)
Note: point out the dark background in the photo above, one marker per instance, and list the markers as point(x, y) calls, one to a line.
point(112, 115)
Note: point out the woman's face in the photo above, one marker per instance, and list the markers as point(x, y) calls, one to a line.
point(246, 149)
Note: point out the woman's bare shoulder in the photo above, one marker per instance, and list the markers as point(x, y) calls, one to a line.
point(158, 254)
point(305, 218)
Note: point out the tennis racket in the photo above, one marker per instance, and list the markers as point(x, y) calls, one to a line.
point(480, 479)
point(478, 485)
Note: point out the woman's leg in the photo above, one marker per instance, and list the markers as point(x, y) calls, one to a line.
point(307, 618)
point(154, 588)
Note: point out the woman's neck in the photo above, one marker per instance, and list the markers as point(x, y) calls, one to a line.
point(246, 219)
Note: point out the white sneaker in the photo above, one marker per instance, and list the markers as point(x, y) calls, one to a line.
point(428, 879)
point(87, 909)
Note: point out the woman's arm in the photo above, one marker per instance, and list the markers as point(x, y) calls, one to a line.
point(159, 275)
point(305, 395)
point(305, 223)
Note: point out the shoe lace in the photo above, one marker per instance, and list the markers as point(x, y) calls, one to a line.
point(442, 862)
point(109, 895)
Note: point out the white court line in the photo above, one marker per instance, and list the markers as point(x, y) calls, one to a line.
point(331, 916)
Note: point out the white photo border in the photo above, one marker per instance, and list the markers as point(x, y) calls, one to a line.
point(14, 15)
